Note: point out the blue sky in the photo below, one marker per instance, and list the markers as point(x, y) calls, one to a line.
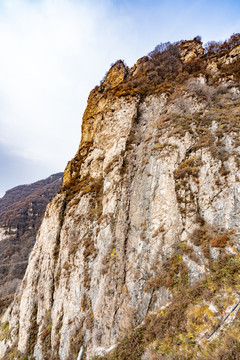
point(53, 52)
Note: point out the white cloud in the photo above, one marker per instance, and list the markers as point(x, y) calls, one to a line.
point(52, 55)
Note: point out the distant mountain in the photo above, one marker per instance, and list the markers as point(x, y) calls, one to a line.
point(21, 212)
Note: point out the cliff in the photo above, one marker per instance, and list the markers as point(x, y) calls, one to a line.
point(21, 213)
point(137, 257)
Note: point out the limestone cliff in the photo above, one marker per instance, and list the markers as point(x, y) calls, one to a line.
point(137, 257)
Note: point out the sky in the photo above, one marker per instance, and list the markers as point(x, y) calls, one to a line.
point(53, 52)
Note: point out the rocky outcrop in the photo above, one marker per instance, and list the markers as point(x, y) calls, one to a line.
point(116, 74)
point(191, 50)
point(148, 214)
point(21, 212)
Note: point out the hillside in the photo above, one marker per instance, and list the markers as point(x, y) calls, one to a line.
point(21, 212)
point(137, 257)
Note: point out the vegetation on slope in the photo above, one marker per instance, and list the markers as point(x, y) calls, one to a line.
point(21, 212)
point(181, 330)
point(166, 67)
point(172, 70)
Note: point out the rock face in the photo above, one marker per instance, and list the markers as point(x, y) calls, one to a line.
point(191, 50)
point(148, 213)
point(21, 212)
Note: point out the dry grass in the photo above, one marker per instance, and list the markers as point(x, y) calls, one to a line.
point(174, 330)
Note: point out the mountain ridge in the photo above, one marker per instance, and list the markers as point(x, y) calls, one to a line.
point(137, 256)
point(21, 212)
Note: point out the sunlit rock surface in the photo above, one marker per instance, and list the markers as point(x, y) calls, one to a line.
point(150, 201)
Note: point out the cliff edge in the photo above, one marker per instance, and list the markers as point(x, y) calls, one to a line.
point(137, 257)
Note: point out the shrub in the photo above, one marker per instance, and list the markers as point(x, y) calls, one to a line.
point(220, 241)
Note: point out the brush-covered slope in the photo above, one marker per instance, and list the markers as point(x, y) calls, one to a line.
point(138, 255)
point(21, 213)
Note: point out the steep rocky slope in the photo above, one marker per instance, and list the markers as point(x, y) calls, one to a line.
point(21, 212)
point(138, 256)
